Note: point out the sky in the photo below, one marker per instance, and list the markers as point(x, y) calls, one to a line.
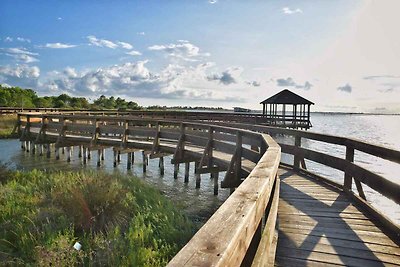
point(342, 55)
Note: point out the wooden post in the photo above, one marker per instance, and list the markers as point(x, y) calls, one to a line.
point(69, 154)
point(187, 168)
point(84, 155)
point(133, 157)
point(119, 156)
point(129, 160)
point(161, 164)
point(98, 157)
point(48, 154)
point(176, 166)
point(238, 164)
point(103, 151)
point(308, 116)
point(144, 161)
point(28, 146)
point(216, 183)
point(89, 154)
point(41, 150)
point(198, 180)
point(347, 177)
point(115, 158)
point(23, 145)
point(297, 143)
point(57, 153)
point(196, 166)
point(80, 151)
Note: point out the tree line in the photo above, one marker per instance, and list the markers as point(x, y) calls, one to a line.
point(27, 98)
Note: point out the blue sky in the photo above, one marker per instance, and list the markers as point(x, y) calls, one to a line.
point(339, 54)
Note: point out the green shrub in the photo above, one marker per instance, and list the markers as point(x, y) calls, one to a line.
point(118, 220)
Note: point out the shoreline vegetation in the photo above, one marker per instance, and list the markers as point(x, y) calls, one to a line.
point(7, 124)
point(118, 220)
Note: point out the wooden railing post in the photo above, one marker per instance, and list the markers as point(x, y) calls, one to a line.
point(238, 165)
point(297, 158)
point(347, 177)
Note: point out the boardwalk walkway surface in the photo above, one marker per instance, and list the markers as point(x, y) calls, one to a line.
point(320, 226)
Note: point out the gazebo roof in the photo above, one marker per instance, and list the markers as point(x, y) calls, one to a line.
point(286, 97)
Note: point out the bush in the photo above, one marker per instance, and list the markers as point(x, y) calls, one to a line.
point(118, 220)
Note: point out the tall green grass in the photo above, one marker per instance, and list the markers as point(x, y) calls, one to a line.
point(118, 220)
point(7, 123)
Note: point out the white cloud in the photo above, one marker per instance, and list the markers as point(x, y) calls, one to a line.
point(21, 39)
point(59, 18)
point(289, 82)
point(125, 45)
point(20, 54)
point(133, 53)
point(59, 45)
point(141, 33)
point(289, 11)
point(134, 79)
point(101, 42)
point(20, 75)
point(183, 49)
point(93, 40)
point(212, 1)
point(8, 39)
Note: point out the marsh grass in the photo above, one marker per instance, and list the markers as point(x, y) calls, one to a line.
point(7, 123)
point(118, 220)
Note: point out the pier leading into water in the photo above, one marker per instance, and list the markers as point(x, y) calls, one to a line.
point(277, 214)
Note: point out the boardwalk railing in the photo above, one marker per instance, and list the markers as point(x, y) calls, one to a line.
point(250, 161)
point(278, 120)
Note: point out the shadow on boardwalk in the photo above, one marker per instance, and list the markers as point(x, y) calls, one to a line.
point(320, 226)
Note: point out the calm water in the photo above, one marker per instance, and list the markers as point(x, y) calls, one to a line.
point(199, 204)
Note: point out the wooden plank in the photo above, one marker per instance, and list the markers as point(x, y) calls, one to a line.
point(317, 246)
point(378, 239)
point(328, 258)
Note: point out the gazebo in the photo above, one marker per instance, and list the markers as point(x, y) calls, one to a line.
point(294, 111)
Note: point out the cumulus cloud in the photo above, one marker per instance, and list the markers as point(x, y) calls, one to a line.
point(133, 53)
point(93, 40)
point(59, 18)
point(289, 82)
point(20, 75)
point(134, 79)
point(183, 49)
point(59, 45)
point(20, 54)
point(141, 33)
point(212, 1)
point(227, 77)
point(289, 11)
point(8, 39)
point(345, 88)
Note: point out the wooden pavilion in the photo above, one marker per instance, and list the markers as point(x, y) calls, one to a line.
point(287, 109)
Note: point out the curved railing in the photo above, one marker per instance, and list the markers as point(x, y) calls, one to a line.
point(250, 161)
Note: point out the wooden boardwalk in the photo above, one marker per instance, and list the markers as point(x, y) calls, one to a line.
point(319, 223)
point(320, 226)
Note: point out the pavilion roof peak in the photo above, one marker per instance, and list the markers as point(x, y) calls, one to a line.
point(286, 97)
